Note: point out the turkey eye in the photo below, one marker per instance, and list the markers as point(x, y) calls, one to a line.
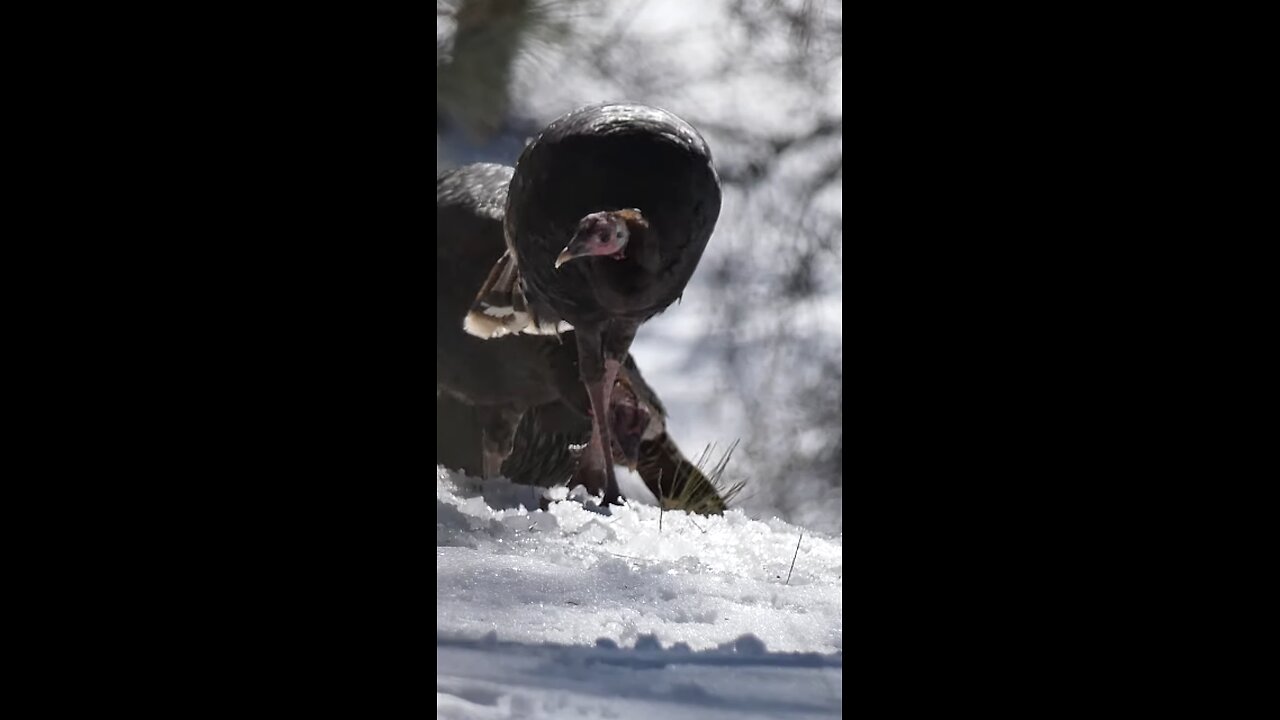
point(618, 235)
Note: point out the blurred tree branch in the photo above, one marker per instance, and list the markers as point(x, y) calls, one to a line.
point(477, 45)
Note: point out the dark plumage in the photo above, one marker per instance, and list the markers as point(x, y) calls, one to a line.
point(608, 213)
point(541, 453)
point(526, 370)
point(483, 388)
point(499, 378)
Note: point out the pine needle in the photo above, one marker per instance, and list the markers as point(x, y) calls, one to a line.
point(704, 491)
point(793, 558)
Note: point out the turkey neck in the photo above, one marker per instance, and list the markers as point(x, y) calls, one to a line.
point(605, 288)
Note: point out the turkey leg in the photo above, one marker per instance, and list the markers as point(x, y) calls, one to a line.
point(497, 434)
point(617, 342)
point(595, 471)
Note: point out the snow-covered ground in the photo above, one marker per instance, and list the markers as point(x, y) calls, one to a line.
point(629, 612)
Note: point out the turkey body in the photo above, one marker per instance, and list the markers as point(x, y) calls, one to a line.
point(523, 370)
point(515, 404)
point(499, 379)
point(635, 168)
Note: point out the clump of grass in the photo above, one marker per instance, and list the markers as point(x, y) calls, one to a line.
point(701, 490)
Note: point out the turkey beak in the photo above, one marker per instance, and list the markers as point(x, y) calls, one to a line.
point(575, 249)
point(565, 256)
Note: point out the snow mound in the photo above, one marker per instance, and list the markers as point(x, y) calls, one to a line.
point(630, 577)
point(628, 612)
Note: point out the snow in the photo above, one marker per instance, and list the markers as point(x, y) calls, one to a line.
point(491, 679)
point(625, 612)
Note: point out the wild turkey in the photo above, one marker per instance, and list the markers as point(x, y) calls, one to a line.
point(484, 387)
point(607, 215)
